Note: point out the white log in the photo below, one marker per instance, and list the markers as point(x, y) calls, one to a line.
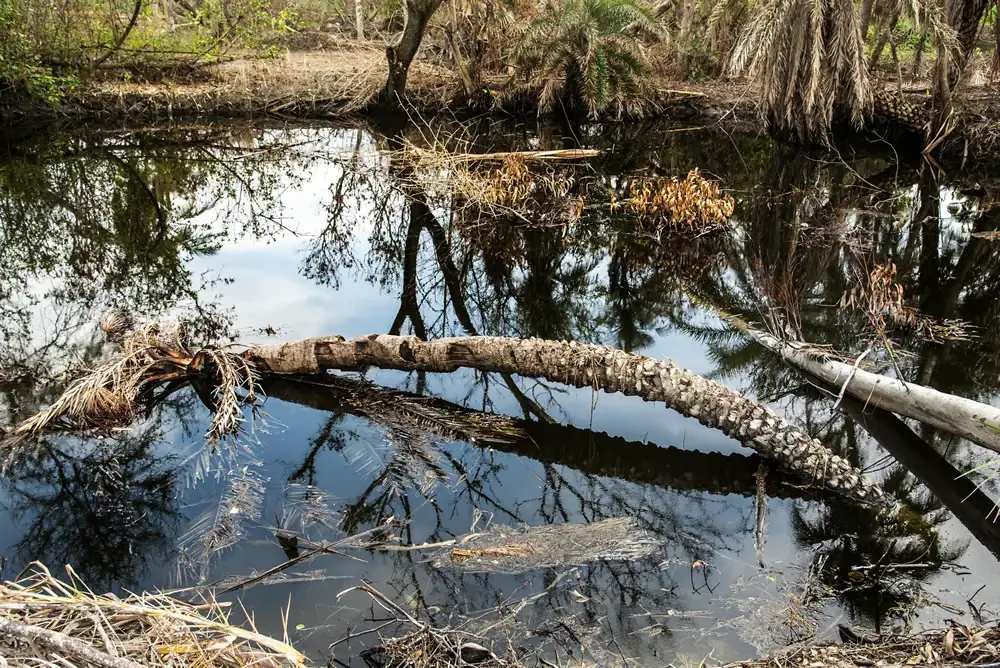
point(978, 422)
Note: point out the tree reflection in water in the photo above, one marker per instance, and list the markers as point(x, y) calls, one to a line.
point(118, 217)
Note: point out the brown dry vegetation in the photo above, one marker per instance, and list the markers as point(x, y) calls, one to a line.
point(317, 83)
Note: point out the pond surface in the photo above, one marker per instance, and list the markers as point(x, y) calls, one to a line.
point(266, 233)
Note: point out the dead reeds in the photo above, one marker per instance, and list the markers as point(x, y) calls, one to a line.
point(45, 621)
point(955, 646)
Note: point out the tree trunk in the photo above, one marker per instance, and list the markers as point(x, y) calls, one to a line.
point(401, 54)
point(960, 494)
point(965, 18)
point(866, 17)
point(882, 41)
point(137, 9)
point(582, 365)
point(957, 415)
point(609, 456)
point(359, 20)
point(918, 54)
point(456, 51)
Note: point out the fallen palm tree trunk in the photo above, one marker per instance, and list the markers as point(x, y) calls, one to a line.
point(582, 365)
point(959, 493)
point(639, 462)
point(980, 423)
point(148, 360)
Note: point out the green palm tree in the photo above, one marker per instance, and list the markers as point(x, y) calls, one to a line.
point(589, 54)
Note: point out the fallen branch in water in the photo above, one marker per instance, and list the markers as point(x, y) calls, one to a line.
point(978, 422)
point(561, 154)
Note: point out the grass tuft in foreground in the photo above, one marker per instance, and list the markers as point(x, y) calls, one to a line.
point(48, 621)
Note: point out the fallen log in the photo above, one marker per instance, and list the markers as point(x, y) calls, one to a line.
point(152, 357)
point(978, 422)
point(583, 365)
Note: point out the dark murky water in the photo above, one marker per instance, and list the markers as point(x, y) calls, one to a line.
point(295, 232)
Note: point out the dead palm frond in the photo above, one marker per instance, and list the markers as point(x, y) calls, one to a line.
point(47, 622)
point(109, 394)
point(808, 56)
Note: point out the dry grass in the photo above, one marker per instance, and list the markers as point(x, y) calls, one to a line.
point(957, 646)
point(337, 81)
point(70, 625)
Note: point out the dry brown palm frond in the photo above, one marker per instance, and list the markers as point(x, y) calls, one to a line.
point(808, 56)
point(109, 394)
point(879, 296)
point(694, 202)
point(46, 621)
point(237, 387)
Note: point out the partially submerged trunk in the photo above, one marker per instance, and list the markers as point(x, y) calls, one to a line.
point(980, 423)
point(637, 462)
point(582, 365)
point(959, 493)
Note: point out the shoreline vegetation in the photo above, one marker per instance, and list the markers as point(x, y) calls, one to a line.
point(47, 620)
point(915, 76)
point(338, 83)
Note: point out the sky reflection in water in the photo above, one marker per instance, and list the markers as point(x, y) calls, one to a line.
point(304, 230)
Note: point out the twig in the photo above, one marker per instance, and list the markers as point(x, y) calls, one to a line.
point(351, 636)
point(386, 603)
point(62, 643)
point(850, 376)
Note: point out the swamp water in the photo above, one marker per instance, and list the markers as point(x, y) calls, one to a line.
point(279, 233)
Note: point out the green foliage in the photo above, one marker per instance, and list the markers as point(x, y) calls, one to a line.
point(40, 37)
point(20, 68)
point(590, 53)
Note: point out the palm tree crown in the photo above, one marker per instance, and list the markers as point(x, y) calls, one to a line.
point(590, 53)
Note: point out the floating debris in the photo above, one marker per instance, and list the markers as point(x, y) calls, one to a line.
point(504, 549)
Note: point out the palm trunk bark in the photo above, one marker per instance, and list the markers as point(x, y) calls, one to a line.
point(582, 365)
point(970, 419)
point(608, 456)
